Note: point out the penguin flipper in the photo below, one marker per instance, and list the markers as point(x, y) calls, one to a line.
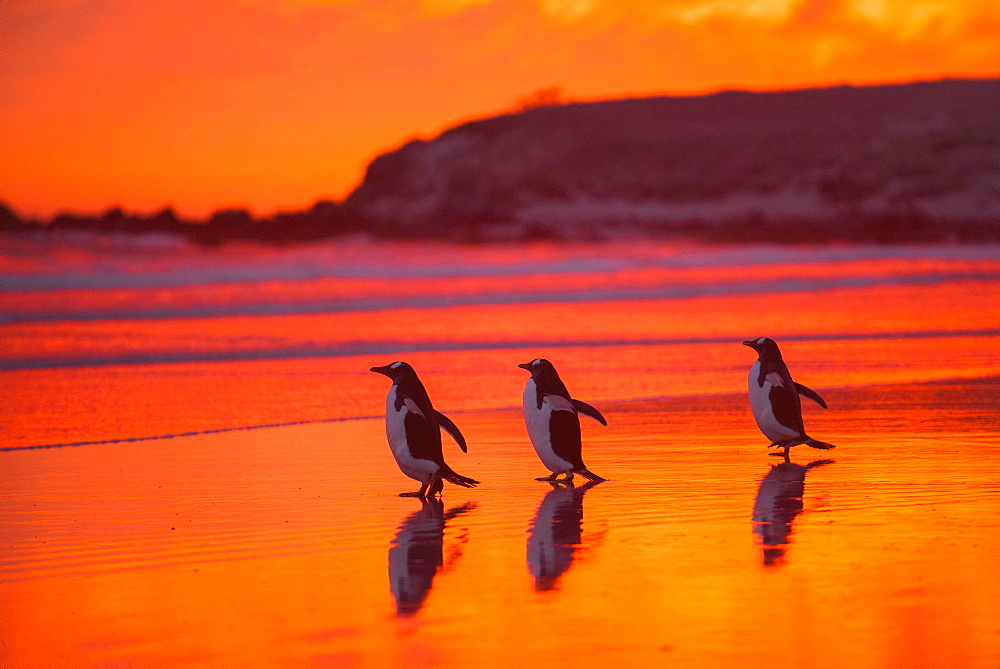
point(423, 438)
point(564, 434)
point(785, 408)
point(811, 394)
point(587, 410)
point(453, 430)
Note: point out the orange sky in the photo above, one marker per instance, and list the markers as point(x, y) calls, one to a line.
point(201, 104)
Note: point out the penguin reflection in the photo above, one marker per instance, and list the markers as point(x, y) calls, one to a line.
point(555, 533)
point(417, 553)
point(779, 501)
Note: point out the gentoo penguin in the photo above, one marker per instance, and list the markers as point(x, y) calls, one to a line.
point(553, 424)
point(414, 431)
point(416, 554)
point(779, 501)
point(774, 398)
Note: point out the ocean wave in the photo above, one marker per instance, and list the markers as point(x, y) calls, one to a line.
point(368, 348)
point(29, 311)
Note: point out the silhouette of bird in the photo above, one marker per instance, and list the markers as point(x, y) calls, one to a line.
point(413, 428)
point(555, 533)
point(778, 502)
point(416, 554)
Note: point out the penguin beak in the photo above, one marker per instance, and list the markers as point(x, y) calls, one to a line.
point(381, 370)
point(752, 344)
point(525, 365)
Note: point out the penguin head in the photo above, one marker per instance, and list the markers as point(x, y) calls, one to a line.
point(546, 377)
point(397, 371)
point(540, 368)
point(765, 347)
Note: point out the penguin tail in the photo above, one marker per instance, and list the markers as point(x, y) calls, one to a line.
point(806, 440)
point(451, 476)
point(822, 445)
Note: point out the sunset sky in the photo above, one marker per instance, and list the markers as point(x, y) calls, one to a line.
point(203, 104)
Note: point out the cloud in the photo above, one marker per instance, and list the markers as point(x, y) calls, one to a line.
point(272, 103)
point(771, 11)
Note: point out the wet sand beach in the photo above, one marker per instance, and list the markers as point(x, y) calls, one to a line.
point(288, 545)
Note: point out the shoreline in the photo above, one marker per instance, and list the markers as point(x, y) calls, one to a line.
point(296, 531)
point(729, 397)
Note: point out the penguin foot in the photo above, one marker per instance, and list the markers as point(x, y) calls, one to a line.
point(436, 488)
point(419, 493)
point(785, 450)
point(551, 477)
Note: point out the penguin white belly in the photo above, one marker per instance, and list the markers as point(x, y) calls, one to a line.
point(763, 414)
point(539, 427)
point(395, 430)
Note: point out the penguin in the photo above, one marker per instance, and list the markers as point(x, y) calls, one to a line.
point(413, 429)
point(774, 398)
point(551, 417)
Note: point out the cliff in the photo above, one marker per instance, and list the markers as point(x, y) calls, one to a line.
point(887, 163)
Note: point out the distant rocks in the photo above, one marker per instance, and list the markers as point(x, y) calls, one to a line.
point(905, 163)
point(322, 221)
point(889, 163)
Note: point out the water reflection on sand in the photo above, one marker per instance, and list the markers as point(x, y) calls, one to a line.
point(417, 553)
point(779, 501)
point(555, 533)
